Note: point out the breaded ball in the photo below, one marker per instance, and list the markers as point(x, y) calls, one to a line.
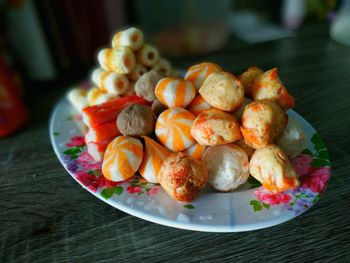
point(222, 90)
point(293, 139)
point(262, 122)
point(247, 78)
point(272, 168)
point(136, 120)
point(182, 177)
point(145, 85)
point(268, 86)
point(228, 166)
point(215, 127)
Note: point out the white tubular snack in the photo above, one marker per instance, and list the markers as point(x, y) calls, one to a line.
point(132, 38)
point(110, 81)
point(77, 97)
point(163, 66)
point(147, 55)
point(118, 59)
point(137, 72)
point(96, 96)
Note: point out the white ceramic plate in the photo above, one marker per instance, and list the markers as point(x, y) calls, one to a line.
point(248, 208)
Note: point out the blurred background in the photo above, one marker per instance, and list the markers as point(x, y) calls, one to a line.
point(52, 44)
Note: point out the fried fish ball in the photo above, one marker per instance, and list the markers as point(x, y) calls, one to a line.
point(132, 38)
point(245, 147)
point(248, 77)
point(147, 55)
point(198, 73)
point(293, 139)
point(262, 122)
point(228, 166)
point(119, 59)
point(146, 84)
point(110, 81)
point(271, 166)
point(182, 177)
point(268, 86)
point(136, 120)
point(239, 112)
point(222, 90)
point(215, 127)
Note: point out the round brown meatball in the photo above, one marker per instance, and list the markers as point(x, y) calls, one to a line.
point(158, 107)
point(182, 177)
point(136, 120)
point(145, 85)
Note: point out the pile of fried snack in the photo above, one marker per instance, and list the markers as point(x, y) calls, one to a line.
point(208, 127)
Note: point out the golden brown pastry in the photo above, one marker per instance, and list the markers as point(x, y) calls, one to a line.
point(245, 147)
point(247, 78)
point(223, 90)
point(268, 86)
point(262, 121)
point(271, 166)
point(215, 127)
point(182, 177)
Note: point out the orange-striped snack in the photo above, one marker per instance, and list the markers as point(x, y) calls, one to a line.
point(119, 59)
point(132, 38)
point(153, 157)
point(197, 105)
point(268, 86)
point(96, 96)
point(173, 129)
point(215, 127)
point(196, 151)
point(122, 158)
point(97, 149)
point(103, 131)
point(198, 73)
point(108, 111)
point(175, 92)
point(110, 81)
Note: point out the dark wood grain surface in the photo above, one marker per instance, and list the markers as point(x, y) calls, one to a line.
point(45, 216)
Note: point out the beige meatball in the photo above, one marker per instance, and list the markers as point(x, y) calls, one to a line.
point(268, 86)
point(136, 120)
point(145, 85)
point(272, 168)
point(293, 139)
point(215, 127)
point(182, 177)
point(248, 77)
point(248, 150)
point(222, 90)
point(262, 122)
point(228, 166)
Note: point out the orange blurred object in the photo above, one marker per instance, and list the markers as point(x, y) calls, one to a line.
point(13, 113)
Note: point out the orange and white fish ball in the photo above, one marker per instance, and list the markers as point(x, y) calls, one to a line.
point(198, 73)
point(173, 129)
point(122, 158)
point(268, 86)
point(147, 55)
point(110, 81)
point(132, 38)
point(223, 91)
point(248, 77)
point(96, 96)
point(195, 151)
point(77, 97)
point(119, 59)
point(163, 66)
point(137, 72)
point(271, 166)
point(153, 157)
point(175, 92)
point(215, 127)
point(197, 105)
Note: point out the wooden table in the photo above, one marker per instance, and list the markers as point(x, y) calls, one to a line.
point(46, 216)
